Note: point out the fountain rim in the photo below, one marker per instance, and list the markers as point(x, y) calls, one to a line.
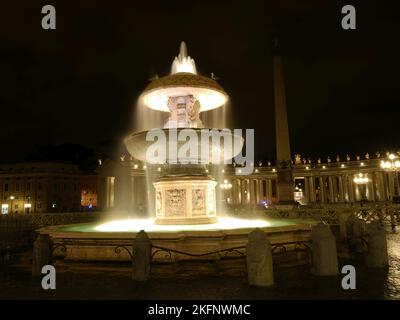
point(59, 233)
point(184, 80)
point(136, 135)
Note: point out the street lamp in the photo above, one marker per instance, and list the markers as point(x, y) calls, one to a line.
point(11, 203)
point(393, 164)
point(361, 180)
point(226, 186)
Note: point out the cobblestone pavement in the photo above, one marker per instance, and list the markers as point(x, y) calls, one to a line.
point(290, 283)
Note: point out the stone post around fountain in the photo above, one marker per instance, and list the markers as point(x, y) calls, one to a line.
point(141, 257)
point(377, 256)
point(324, 252)
point(41, 253)
point(259, 259)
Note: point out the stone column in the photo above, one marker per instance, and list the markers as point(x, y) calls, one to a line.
point(239, 191)
point(258, 194)
point(322, 189)
point(395, 183)
point(259, 260)
point(252, 191)
point(341, 193)
point(269, 188)
point(391, 184)
point(351, 188)
point(386, 185)
point(331, 191)
point(357, 192)
point(141, 259)
point(247, 191)
point(371, 187)
point(312, 189)
point(325, 262)
point(101, 193)
point(381, 187)
point(306, 190)
point(346, 187)
point(261, 190)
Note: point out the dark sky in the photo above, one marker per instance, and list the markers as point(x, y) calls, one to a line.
point(79, 83)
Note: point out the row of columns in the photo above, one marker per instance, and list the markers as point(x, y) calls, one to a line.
point(341, 188)
point(250, 191)
point(130, 192)
point(123, 192)
point(336, 188)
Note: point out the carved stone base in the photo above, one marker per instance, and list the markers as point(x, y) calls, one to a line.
point(189, 200)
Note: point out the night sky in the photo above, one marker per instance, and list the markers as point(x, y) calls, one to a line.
point(79, 83)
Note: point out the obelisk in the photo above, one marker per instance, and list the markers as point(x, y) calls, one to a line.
point(285, 182)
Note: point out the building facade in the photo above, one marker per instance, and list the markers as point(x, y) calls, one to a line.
point(127, 184)
point(31, 187)
point(124, 185)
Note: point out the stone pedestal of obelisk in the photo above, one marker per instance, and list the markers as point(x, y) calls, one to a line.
point(285, 182)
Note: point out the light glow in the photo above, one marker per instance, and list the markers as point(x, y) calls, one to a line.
point(135, 225)
point(361, 179)
point(209, 99)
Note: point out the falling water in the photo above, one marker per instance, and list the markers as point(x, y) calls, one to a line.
point(219, 119)
point(146, 118)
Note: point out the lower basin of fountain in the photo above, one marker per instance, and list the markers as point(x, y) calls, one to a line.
point(100, 246)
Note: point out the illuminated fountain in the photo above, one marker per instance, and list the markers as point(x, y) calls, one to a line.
point(185, 217)
point(185, 194)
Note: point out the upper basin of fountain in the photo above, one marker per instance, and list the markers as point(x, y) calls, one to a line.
point(206, 90)
point(184, 81)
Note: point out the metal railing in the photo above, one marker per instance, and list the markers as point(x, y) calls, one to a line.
point(18, 230)
point(387, 214)
point(238, 251)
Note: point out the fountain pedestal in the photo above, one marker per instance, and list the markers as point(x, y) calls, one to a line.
point(185, 200)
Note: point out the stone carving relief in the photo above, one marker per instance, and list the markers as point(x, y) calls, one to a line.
point(198, 202)
point(193, 112)
point(158, 203)
point(184, 112)
point(175, 202)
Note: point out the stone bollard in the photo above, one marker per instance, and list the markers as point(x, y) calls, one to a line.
point(141, 259)
point(377, 256)
point(41, 253)
point(358, 228)
point(324, 253)
point(259, 260)
point(357, 233)
point(343, 225)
